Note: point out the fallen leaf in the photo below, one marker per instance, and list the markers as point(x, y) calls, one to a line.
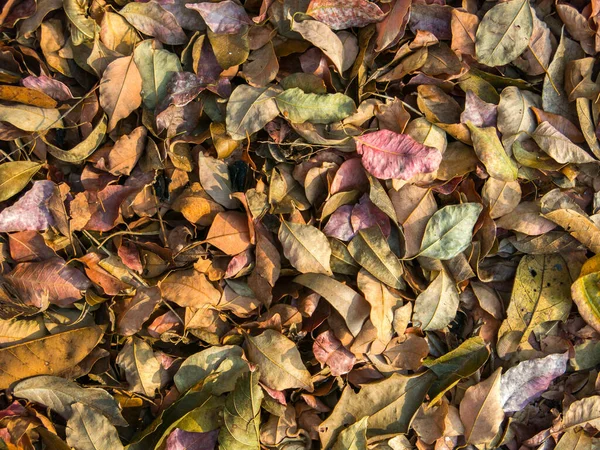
point(306, 247)
point(55, 354)
point(339, 15)
point(279, 361)
point(448, 231)
point(386, 155)
point(481, 410)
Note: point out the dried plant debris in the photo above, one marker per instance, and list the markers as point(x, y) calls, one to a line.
point(299, 224)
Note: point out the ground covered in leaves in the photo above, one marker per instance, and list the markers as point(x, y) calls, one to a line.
point(296, 224)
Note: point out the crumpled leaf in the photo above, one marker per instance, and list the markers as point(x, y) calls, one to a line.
point(386, 154)
point(353, 307)
point(329, 351)
point(61, 395)
point(338, 14)
point(390, 405)
point(299, 107)
point(226, 17)
point(141, 368)
point(151, 19)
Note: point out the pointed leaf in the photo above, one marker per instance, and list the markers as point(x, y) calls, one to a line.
point(298, 107)
point(306, 247)
point(386, 154)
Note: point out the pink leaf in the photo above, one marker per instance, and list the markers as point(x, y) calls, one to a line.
point(225, 17)
point(31, 211)
point(366, 215)
point(386, 155)
point(329, 350)
point(341, 14)
point(339, 225)
point(349, 176)
point(53, 88)
point(189, 440)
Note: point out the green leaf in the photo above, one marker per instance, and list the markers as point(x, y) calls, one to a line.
point(87, 429)
point(354, 437)
point(14, 176)
point(85, 148)
point(457, 364)
point(279, 361)
point(156, 67)
point(437, 305)
point(449, 231)
point(390, 405)
point(225, 362)
point(540, 294)
point(306, 247)
point(241, 416)
point(491, 153)
point(249, 109)
point(370, 249)
point(352, 306)
point(298, 107)
point(60, 395)
point(504, 33)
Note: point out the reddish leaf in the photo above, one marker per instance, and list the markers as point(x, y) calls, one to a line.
point(341, 14)
point(31, 211)
point(329, 351)
point(52, 279)
point(387, 155)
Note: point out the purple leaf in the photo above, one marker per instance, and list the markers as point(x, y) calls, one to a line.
point(349, 176)
point(529, 379)
point(339, 225)
point(366, 215)
point(481, 113)
point(53, 88)
point(386, 155)
point(225, 17)
point(31, 211)
point(188, 440)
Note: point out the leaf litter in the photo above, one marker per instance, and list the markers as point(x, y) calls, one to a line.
point(299, 224)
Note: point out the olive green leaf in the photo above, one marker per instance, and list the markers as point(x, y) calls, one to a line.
point(370, 249)
point(437, 305)
point(491, 153)
point(449, 231)
point(279, 361)
point(156, 67)
point(85, 148)
point(540, 294)
point(504, 33)
point(241, 416)
point(390, 405)
point(298, 107)
point(249, 109)
point(306, 247)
